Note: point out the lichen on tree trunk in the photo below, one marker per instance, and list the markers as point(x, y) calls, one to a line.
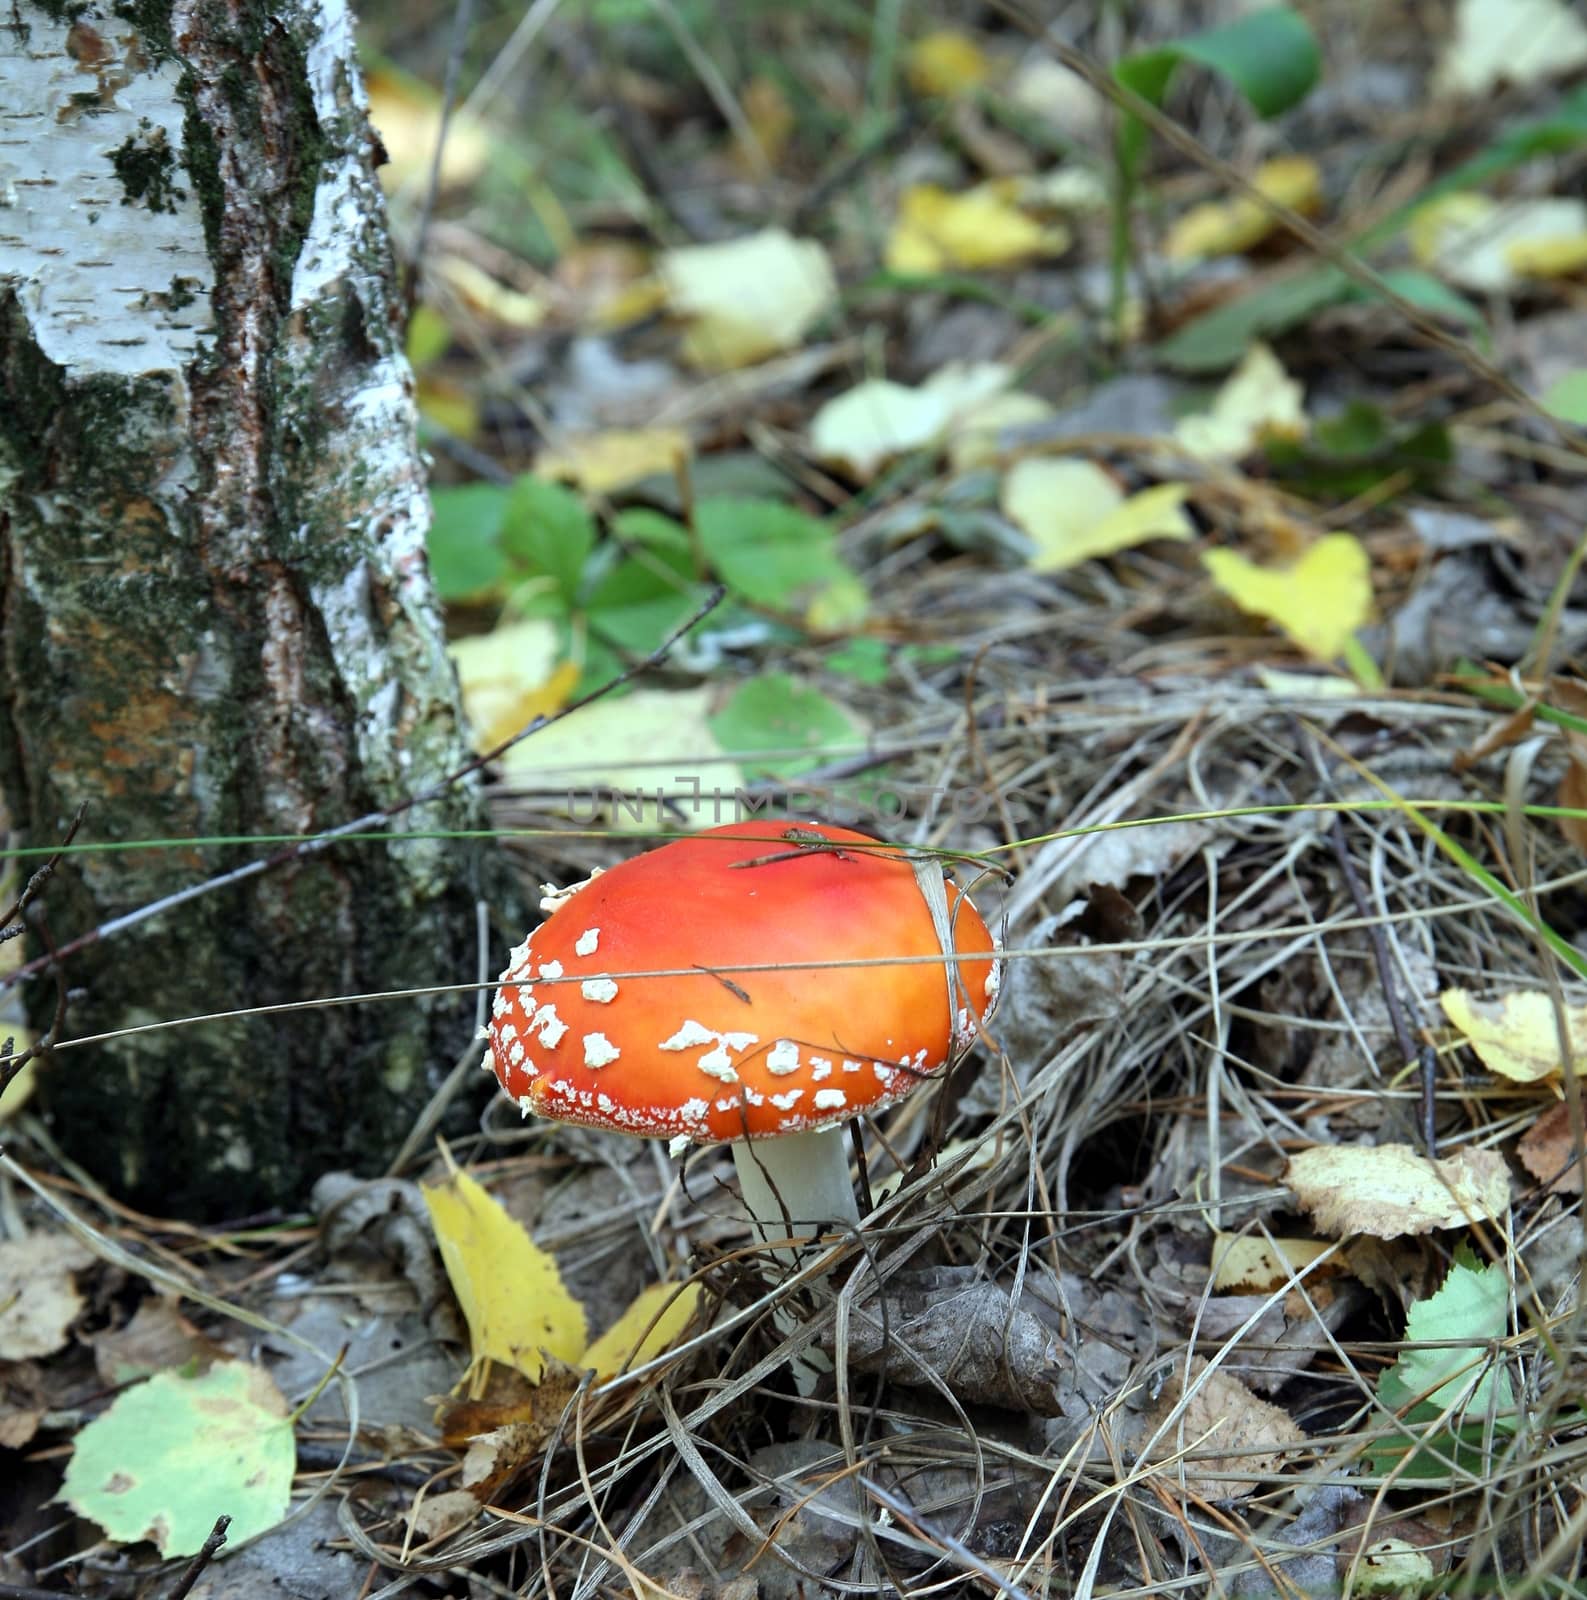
point(215, 613)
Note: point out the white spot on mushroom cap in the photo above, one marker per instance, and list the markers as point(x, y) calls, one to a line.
point(500, 1006)
point(601, 990)
point(689, 1035)
point(678, 1144)
point(783, 1058)
point(718, 1064)
point(830, 1100)
point(693, 1110)
point(549, 1025)
point(525, 1105)
point(820, 1068)
point(553, 898)
point(586, 943)
point(550, 969)
point(851, 1066)
point(599, 1051)
point(788, 1099)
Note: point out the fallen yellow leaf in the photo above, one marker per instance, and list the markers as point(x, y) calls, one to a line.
point(946, 62)
point(601, 463)
point(1388, 1190)
point(650, 1325)
point(517, 1307)
point(407, 116)
point(1226, 227)
point(1509, 41)
point(510, 676)
point(451, 406)
point(1257, 399)
point(937, 231)
point(1516, 1035)
point(1492, 245)
point(1074, 511)
point(1319, 601)
point(973, 436)
point(771, 119)
point(603, 762)
point(489, 297)
point(878, 419)
point(748, 298)
point(1255, 1265)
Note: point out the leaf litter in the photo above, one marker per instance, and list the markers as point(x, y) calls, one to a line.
point(1021, 537)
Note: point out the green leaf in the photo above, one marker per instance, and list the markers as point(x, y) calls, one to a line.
point(428, 337)
point(1270, 56)
point(1452, 1371)
point(768, 552)
point(864, 659)
point(547, 529)
point(642, 599)
point(1222, 336)
point(1427, 293)
point(778, 713)
point(466, 557)
point(175, 1452)
point(1567, 398)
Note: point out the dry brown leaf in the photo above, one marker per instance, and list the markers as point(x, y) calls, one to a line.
point(1573, 791)
point(1221, 1430)
point(38, 1300)
point(1550, 1154)
point(158, 1337)
point(965, 1334)
point(1388, 1190)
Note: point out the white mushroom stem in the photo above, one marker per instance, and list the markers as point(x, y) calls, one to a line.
point(797, 1183)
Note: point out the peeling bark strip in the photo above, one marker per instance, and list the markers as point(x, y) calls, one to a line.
point(215, 615)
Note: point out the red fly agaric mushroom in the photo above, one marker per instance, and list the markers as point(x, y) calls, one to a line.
point(773, 1061)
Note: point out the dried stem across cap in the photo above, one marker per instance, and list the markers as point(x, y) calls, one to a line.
point(714, 1055)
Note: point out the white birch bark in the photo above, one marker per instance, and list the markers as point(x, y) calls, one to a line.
point(215, 613)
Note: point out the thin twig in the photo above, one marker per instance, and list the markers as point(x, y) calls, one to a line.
point(206, 1554)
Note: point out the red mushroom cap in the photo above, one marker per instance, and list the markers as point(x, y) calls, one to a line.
point(749, 1054)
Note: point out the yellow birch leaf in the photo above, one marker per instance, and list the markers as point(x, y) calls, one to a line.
point(652, 1323)
point(517, 1307)
point(1516, 1035)
point(946, 62)
point(1390, 1190)
point(938, 231)
point(1258, 398)
point(748, 298)
point(974, 435)
point(449, 405)
point(771, 120)
point(1492, 245)
point(616, 756)
point(1074, 511)
point(601, 463)
point(490, 297)
point(509, 677)
point(1226, 227)
point(1509, 41)
point(1255, 1265)
point(407, 116)
point(1319, 600)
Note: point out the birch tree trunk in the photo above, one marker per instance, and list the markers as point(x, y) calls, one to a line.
point(215, 613)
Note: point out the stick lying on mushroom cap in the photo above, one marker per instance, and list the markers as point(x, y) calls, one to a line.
point(771, 1062)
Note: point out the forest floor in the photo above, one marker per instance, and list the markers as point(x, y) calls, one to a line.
point(1172, 506)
